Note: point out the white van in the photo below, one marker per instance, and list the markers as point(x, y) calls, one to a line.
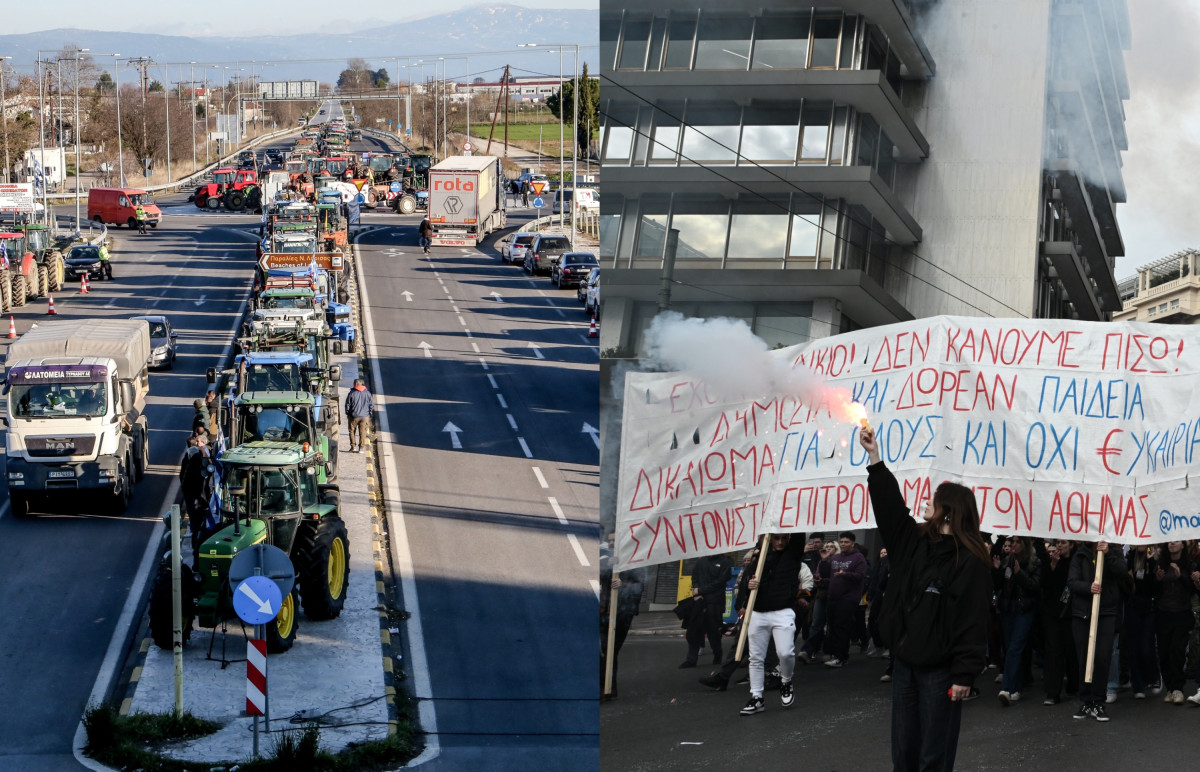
point(589, 198)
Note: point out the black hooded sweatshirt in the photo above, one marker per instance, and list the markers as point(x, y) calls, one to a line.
point(961, 642)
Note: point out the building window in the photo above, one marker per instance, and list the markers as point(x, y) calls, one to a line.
point(783, 324)
point(806, 230)
point(759, 228)
point(826, 35)
point(1175, 303)
point(781, 42)
point(1162, 308)
point(868, 141)
point(664, 148)
point(634, 44)
point(723, 43)
point(770, 134)
point(657, 33)
point(681, 34)
point(652, 226)
point(703, 226)
point(617, 141)
point(814, 141)
point(1153, 311)
point(610, 32)
point(711, 134)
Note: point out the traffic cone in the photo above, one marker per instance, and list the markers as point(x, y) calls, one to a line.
point(50, 309)
point(12, 328)
point(592, 331)
point(83, 284)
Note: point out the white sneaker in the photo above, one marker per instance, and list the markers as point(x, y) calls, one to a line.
point(1014, 696)
point(1005, 698)
point(1156, 689)
point(1195, 698)
point(999, 679)
point(833, 662)
point(1177, 697)
point(1142, 696)
point(1110, 697)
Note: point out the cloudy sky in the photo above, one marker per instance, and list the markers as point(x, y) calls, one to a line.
point(1162, 118)
point(235, 17)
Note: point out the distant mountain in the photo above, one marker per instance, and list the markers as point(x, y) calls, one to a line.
point(487, 34)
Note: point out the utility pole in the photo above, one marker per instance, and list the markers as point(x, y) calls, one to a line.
point(143, 63)
point(4, 119)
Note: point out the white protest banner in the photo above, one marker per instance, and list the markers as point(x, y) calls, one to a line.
point(1063, 429)
point(16, 198)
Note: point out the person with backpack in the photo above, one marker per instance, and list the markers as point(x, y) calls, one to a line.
point(934, 615)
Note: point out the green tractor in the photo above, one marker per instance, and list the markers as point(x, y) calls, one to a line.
point(269, 493)
point(39, 241)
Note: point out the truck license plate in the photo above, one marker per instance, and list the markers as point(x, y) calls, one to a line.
point(62, 473)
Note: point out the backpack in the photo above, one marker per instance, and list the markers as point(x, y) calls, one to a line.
point(919, 625)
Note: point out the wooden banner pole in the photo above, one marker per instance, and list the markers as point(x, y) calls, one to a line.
point(612, 640)
point(1091, 650)
point(762, 559)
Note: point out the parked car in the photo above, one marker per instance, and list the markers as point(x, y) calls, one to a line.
point(162, 341)
point(533, 177)
point(573, 268)
point(544, 252)
point(581, 292)
point(85, 259)
point(591, 306)
point(514, 246)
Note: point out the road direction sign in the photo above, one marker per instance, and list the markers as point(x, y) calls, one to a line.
point(256, 600)
point(396, 187)
point(538, 203)
point(271, 562)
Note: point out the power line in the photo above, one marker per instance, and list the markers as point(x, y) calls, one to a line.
point(813, 196)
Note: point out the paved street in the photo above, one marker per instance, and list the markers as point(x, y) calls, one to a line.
point(664, 720)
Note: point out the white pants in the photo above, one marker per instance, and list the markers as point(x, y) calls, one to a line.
point(764, 625)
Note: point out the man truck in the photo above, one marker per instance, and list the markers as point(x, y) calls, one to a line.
point(466, 202)
point(76, 412)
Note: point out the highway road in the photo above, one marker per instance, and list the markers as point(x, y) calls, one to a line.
point(66, 576)
point(499, 517)
point(491, 383)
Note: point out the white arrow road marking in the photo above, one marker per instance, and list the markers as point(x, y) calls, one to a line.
point(407, 295)
point(263, 605)
point(497, 296)
point(593, 431)
point(454, 430)
point(425, 346)
point(200, 302)
point(536, 351)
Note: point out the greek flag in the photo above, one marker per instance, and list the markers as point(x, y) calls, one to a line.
point(4, 255)
point(213, 521)
point(38, 178)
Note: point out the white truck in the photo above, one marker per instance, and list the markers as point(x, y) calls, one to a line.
point(466, 202)
point(76, 412)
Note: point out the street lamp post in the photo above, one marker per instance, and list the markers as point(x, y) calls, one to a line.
point(78, 178)
point(192, 86)
point(4, 120)
point(167, 107)
point(574, 132)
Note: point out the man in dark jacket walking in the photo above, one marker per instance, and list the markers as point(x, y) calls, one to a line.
point(1082, 582)
point(774, 619)
point(426, 232)
point(709, 578)
point(359, 409)
point(847, 581)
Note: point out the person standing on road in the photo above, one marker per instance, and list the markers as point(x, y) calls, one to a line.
point(525, 188)
point(709, 577)
point(629, 585)
point(847, 581)
point(140, 215)
point(934, 614)
point(773, 618)
point(193, 485)
point(1173, 620)
point(426, 233)
point(359, 409)
point(1018, 581)
point(1082, 581)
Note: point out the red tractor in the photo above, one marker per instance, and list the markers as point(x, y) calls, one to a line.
point(235, 188)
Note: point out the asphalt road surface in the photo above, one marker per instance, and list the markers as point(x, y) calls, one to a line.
point(66, 575)
point(665, 720)
point(490, 381)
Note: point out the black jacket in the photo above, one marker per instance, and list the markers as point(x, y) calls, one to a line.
point(966, 594)
point(1173, 593)
point(1018, 590)
point(359, 404)
point(709, 577)
point(780, 577)
point(1083, 573)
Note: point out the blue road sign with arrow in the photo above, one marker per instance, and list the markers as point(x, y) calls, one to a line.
point(538, 203)
point(257, 600)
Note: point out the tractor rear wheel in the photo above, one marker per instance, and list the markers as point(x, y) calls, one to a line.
point(17, 287)
point(235, 201)
point(43, 280)
point(281, 632)
point(161, 631)
point(57, 269)
point(322, 556)
point(5, 290)
point(406, 205)
point(372, 199)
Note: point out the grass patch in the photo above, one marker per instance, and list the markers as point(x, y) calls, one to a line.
point(128, 743)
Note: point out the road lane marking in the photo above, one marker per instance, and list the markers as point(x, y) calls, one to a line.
point(454, 431)
point(557, 510)
point(492, 380)
point(500, 397)
point(426, 347)
point(512, 421)
point(483, 363)
point(595, 587)
point(524, 447)
point(475, 346)
point(462, 321)
point(537, 472)
point(583, 561)
point(537, 351)
point(592, 432)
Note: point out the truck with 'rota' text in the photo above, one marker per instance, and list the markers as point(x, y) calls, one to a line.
point(466, 202)
point(76, 393)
